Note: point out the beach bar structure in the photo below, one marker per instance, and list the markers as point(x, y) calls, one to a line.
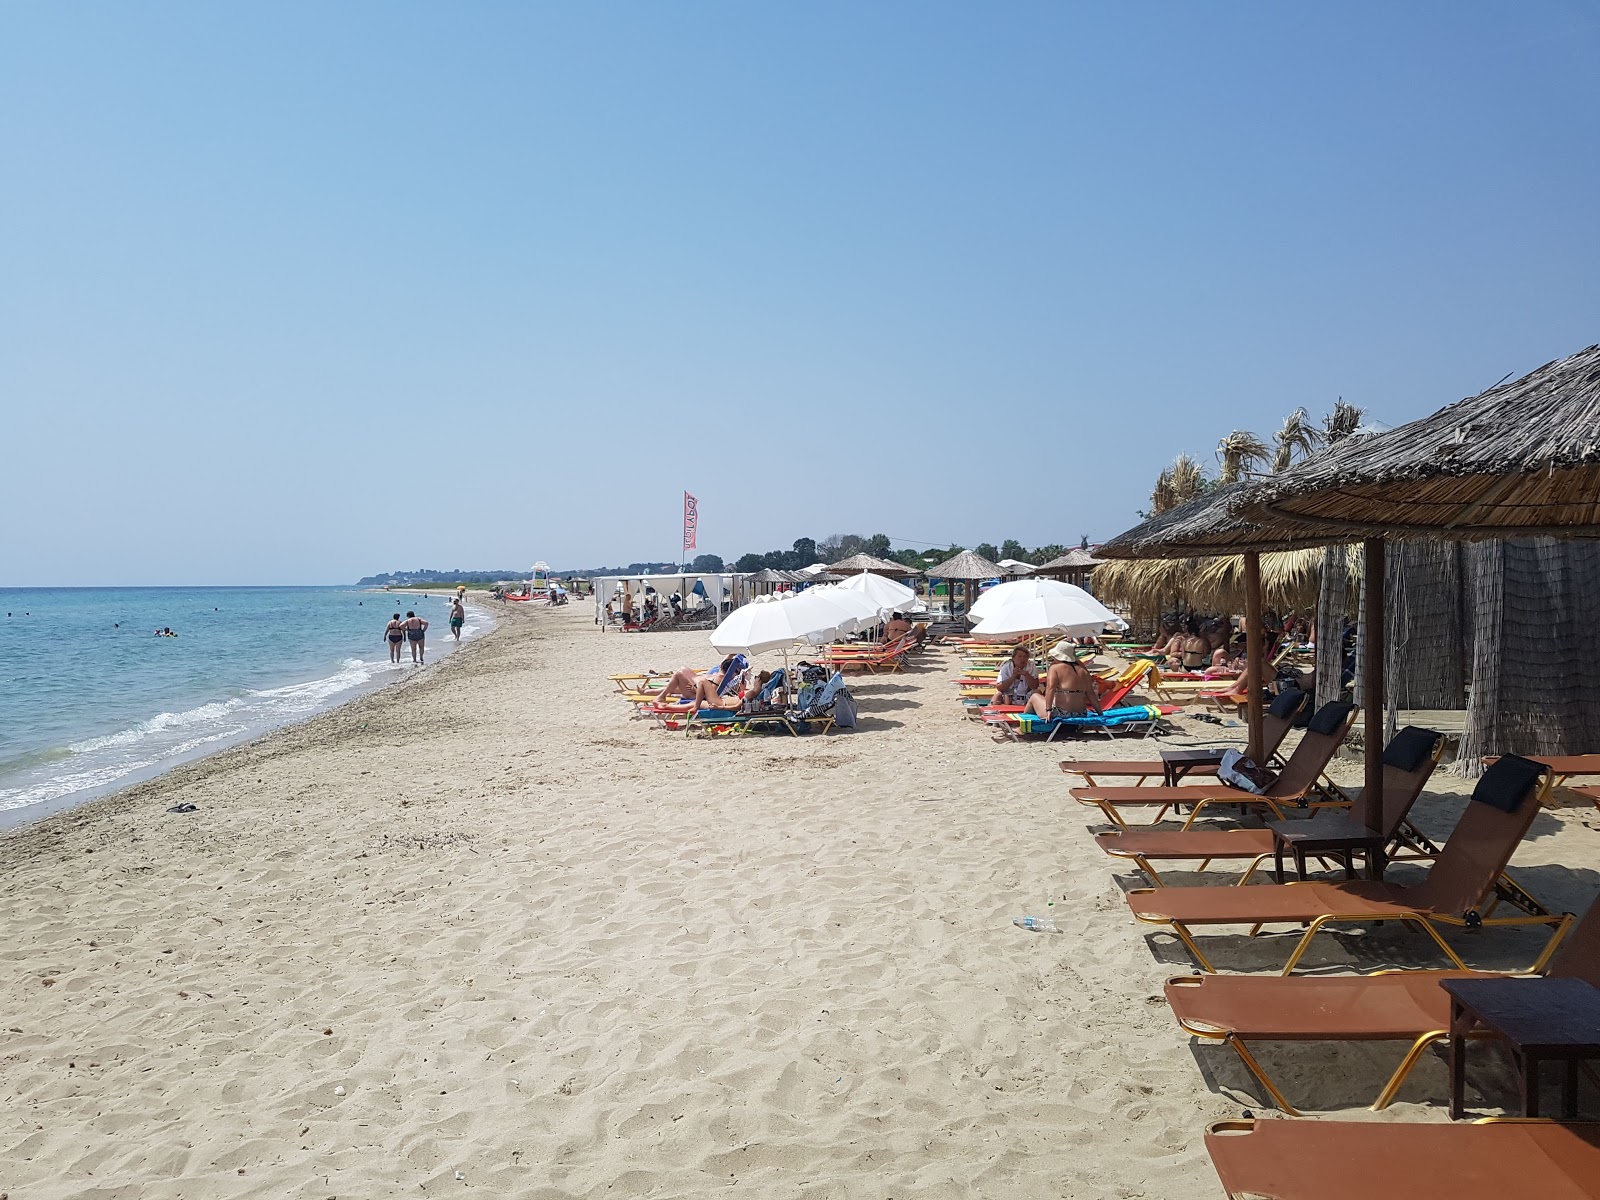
point(715, 590)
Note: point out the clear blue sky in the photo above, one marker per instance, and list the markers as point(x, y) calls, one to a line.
point(299, 292)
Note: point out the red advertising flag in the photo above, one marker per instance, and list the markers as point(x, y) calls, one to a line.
point(691, 520)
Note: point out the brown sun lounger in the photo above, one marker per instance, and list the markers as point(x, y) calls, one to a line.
point(1298, 780)
point(1408, 762)
point(1394, 1006)
point(1337, 1160)
point(1275, 726)
point(1462, 878)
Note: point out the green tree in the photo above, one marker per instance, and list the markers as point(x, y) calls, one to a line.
point(1010, 548)
point(987, 550)
point(748, 563)
point(707, 564)
point(1046, 554)
point(805, 550)
point(877, 545)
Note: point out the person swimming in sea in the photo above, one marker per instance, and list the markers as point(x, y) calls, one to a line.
point(416, 630)
point(395, 631)
point(458, 618)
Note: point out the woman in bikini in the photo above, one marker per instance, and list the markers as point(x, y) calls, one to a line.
point(1069, 689)
point(416, 631)
point(395, 631)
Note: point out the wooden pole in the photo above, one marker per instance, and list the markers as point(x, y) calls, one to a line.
point(1254, 652)
point(1371, 814)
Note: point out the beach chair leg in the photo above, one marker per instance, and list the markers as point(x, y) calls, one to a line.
point(1144, 865)
point(1251, 870)
point(1183, 935)
point(1262, 1077)
point(1561, 930)
point(1303, 944)
point(1438, 938)
point(1386, 1097)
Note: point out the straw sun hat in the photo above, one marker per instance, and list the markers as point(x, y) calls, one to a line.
point(1064, 651)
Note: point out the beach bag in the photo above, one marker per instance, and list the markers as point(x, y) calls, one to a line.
point(844, 709)
point(1245, 773)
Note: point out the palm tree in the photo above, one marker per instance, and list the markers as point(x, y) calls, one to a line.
point(1298, 439)
point(1238, 452)
point(1341, 422)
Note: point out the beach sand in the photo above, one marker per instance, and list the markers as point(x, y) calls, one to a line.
point(563, 953)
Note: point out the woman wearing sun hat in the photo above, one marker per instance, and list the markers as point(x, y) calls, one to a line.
point(1069, 689)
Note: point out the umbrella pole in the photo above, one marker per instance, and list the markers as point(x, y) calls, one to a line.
point(1253, 651)
point(1371, 814)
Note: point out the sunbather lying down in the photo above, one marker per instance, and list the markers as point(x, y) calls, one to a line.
point(689, 684)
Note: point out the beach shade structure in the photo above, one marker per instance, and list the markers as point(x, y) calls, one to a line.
point(770, 623)
point(1072, 616)
point(966, 568)
point(1015, 566)
point(833, 610)
point(1519, 460)
point(1207, 527)
point(868, 562)
point(1075, 566)
point(1019, 589)
point(888, 595)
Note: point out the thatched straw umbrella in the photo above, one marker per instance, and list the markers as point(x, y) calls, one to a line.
point(966, 568)
point(1073, 566)
point(1518, 460)
point(1206, 527)
point(857, 563)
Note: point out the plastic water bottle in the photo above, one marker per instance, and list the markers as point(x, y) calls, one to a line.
point(1035, 924)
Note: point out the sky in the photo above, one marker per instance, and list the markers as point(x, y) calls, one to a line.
point(296, 293)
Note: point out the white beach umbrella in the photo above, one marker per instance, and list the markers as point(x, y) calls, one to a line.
point(1072, 616)
point(771, 623)
point(1003, 594)
point(888, 595)
point(851, 611)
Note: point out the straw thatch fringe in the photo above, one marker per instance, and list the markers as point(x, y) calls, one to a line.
point(1290, 582)
point(1336, 604)
point(1427, 634)
point(1536, 604)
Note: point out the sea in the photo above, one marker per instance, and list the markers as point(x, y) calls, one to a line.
point(91, 700)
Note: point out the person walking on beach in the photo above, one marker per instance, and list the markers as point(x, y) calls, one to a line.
point(395, 631)
point(458, 617)
point(416, 630)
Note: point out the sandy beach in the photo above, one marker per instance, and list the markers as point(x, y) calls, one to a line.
point(481, 931)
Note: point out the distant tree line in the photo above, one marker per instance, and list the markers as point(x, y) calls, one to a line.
point(806, 552)
point(412, 578)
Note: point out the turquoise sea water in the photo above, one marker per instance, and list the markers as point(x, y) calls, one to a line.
point(90, 700)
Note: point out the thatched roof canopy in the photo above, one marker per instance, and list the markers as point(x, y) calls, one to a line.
point(1073, 560)
point(1205, 527)
point(772, 575)
point(867, 562)
point(967, 565)
point(1519, 460)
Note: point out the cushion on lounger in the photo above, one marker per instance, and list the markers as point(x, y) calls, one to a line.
point(1507, 782)
point(1330, 717)
point(1289, 702)
point(1410, 748)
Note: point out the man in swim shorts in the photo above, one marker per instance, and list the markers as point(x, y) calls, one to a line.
point(416, 630)
point(458, 617)
point(395, 632)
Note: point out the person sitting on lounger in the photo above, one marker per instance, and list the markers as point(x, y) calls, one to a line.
point(897, 627)
point(1016, 681)
point(689, 684)
point(1069, 689)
